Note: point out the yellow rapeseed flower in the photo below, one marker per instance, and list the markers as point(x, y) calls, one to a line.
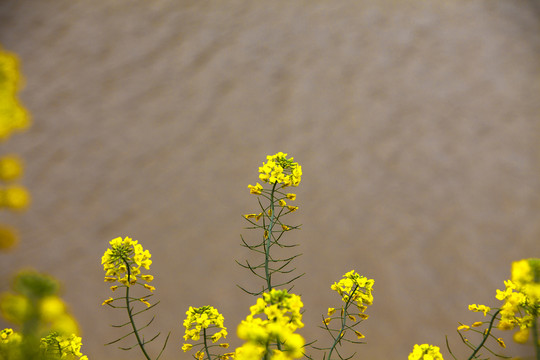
point(280, 170)
point(10, 168)
point(479, 308)
point(13, 116)
point(124, 253)
point(8, 238)
point(425, 352)
point(15, 197)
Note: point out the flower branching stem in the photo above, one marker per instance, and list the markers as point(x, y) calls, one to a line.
point(206, 345)
point(486, 335)
point(343, 322)
point(128, 308)
point(536, 340)
point(269, 239)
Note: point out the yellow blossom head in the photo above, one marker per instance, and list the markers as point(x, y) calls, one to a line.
point(14, 197)
point(356, 286)
point(123, 261)
point(10, 168)
point(200, 318)
point(425, 352)
point(278, 169)
point(8, 238)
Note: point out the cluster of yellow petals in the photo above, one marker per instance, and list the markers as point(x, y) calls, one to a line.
point(521, 298)
point(66, 347)
point(425, 352)
point(123, 253)
point(280, 170)
point(200, 319)
point(281, 316)
point(122, 263)
point(357, 286)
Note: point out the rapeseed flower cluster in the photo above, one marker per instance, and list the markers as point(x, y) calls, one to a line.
point(425, 352)
point(272, 322)
point(521, 298)
point(63, 347)
point(122, 262)
point(357, 288)
point(280, 170)
point(202, 319)
point(521, 306)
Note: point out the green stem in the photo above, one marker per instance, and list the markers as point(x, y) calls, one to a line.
point(343, 322)
point(486, 335)
point(268, 239)
point(205, 344)
point(128, 308)
point(536, 340)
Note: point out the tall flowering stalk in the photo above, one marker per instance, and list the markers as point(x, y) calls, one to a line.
point(279, 172)
point(263, 337)
point(356, 294)
point(122, 263)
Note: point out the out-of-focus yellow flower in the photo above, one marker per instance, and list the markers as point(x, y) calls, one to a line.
point(10, 168)
point(13, 117)
point(15, 308)
point(8, 238)
point(14, 197)
point(51, 307)
point(65, 324)
point(521, 336)
point(5, 335)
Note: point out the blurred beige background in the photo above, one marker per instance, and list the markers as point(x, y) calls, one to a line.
point(416, 123)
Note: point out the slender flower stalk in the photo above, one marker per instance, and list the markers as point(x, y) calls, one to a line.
point(356, 293)
point(124, 263)
point(279, 172)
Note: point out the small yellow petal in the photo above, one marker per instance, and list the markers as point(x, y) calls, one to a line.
point(108, 301)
